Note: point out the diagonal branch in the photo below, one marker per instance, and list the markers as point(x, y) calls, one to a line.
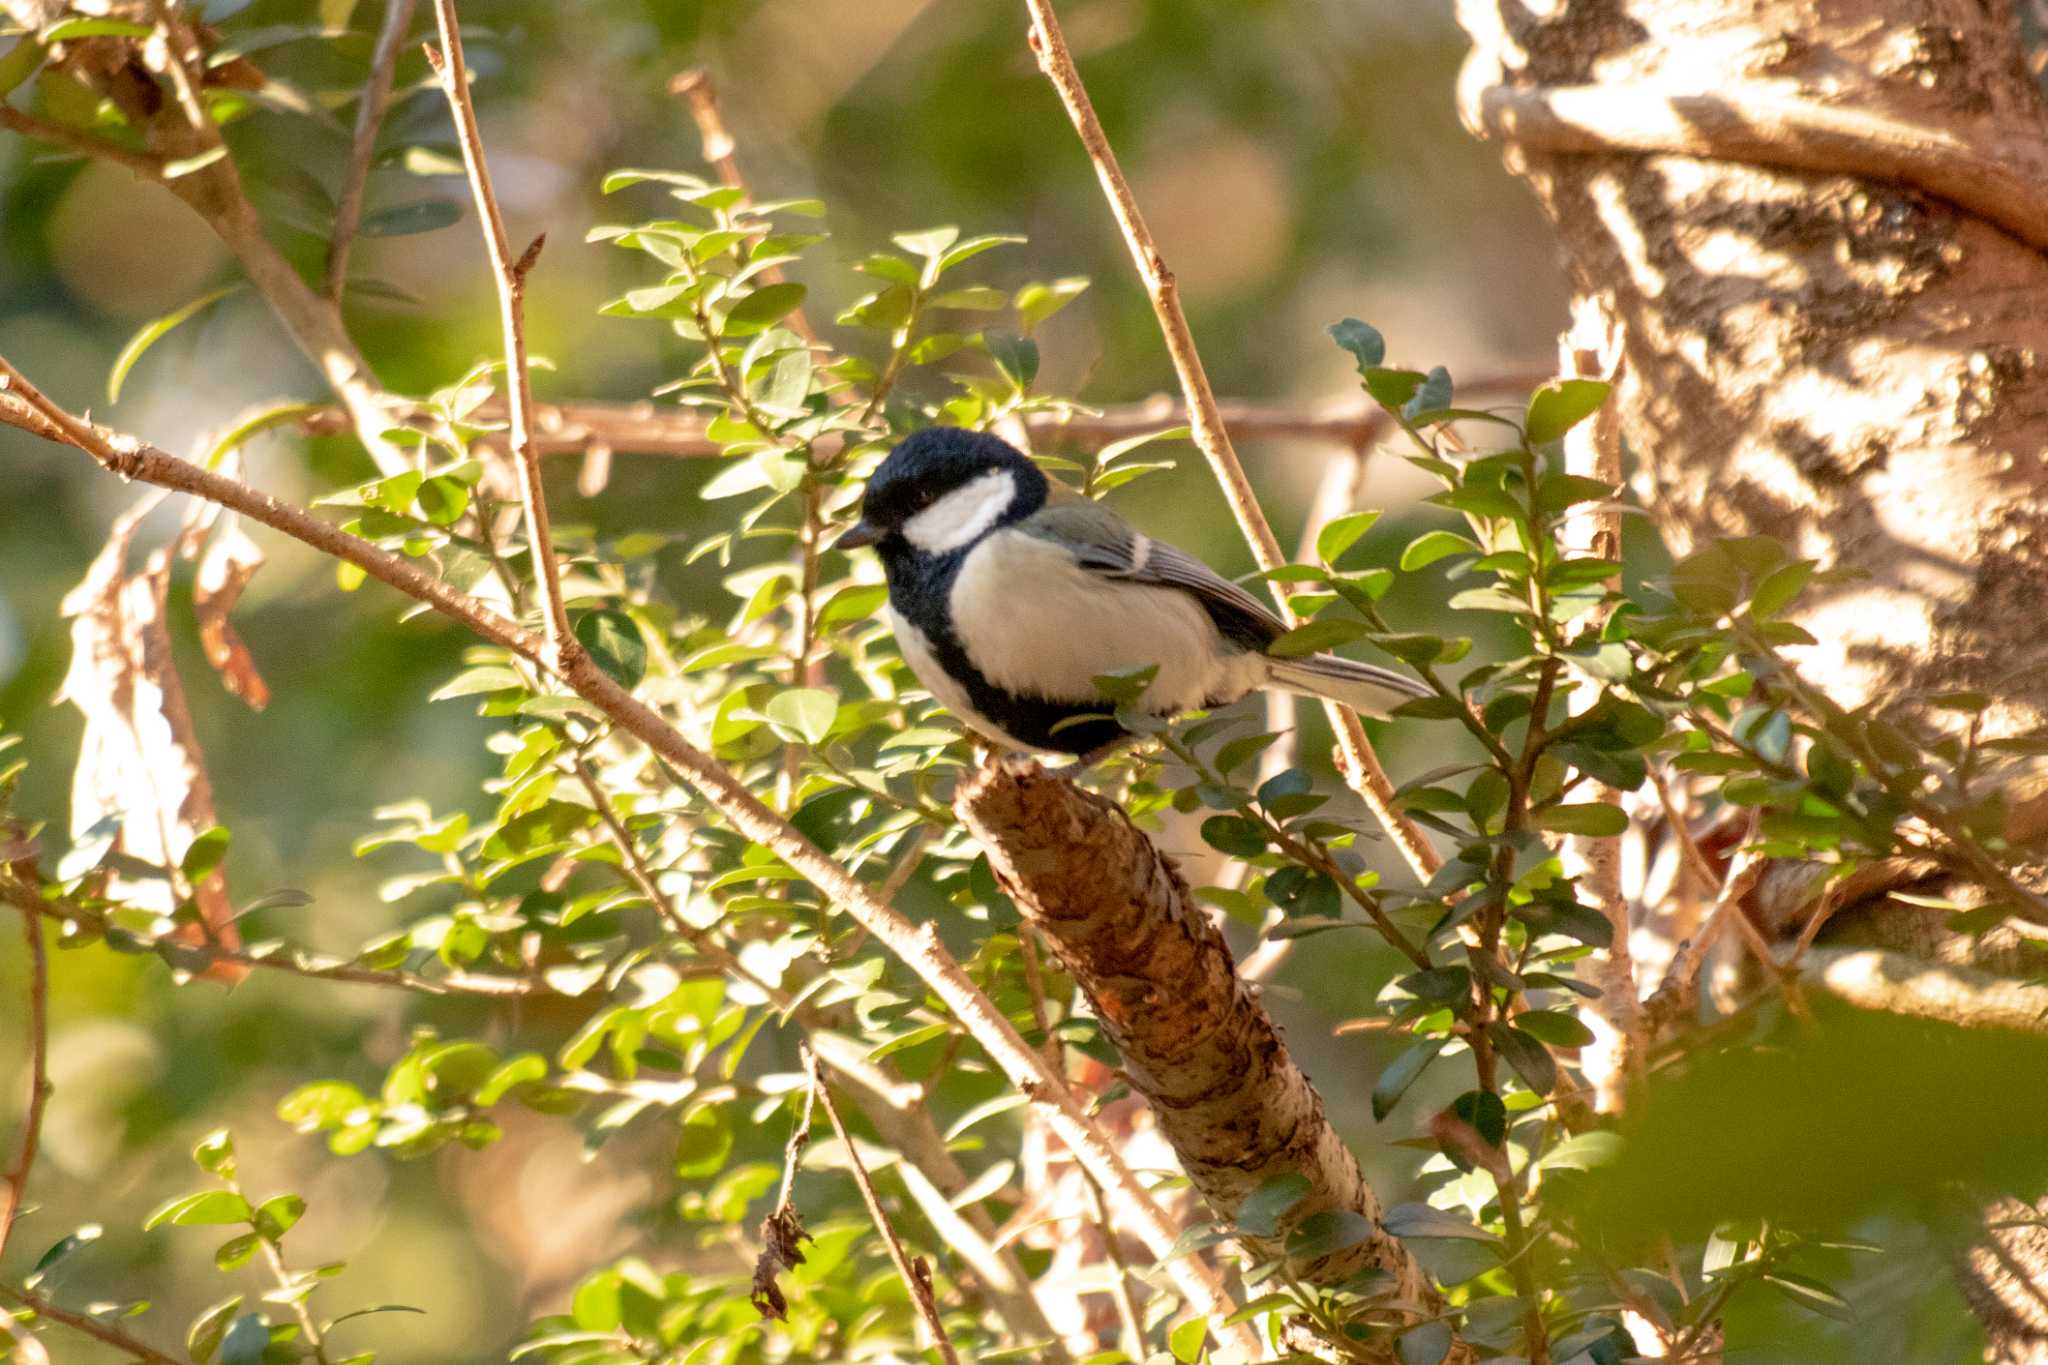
point(1357, 761)
point(511, 282)
point(921, 949)
point(99, 1331)
point(917, 1276)
point(348, 210)
point(1225, 1090)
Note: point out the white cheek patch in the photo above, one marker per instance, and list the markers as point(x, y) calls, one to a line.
point(963, 515)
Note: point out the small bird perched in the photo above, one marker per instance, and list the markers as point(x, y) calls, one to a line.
point(1010, 595)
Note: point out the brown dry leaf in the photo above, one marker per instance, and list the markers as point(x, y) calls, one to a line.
point(225, 568)
point(139, 760)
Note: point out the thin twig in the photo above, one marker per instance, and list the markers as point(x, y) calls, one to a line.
point(1358, 763)
point(919, 948)
point(348, 210)
point(511, 281)
point(196, 957)
point(79, 1322)
point(38, 1071)
point(917, 1277)
point(643, 879)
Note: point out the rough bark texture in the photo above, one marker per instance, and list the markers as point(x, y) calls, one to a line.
point(1852, 365)
point(1820, 225)
point(1195, 1040)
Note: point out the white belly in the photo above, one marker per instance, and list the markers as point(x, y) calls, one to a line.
point(924, 662)
point(1037, 624)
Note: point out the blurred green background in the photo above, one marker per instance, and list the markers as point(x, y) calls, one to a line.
point(1299, 160)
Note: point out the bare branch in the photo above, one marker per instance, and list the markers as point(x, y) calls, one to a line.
point(348, 210)
point(919, 949)
point(511, 282)
point(917, 1276)
point(1357, 761)
point(79, 1322)
point(38, 1071)
point(201, 957)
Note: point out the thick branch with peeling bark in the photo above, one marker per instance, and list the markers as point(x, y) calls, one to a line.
point(1195, 1041)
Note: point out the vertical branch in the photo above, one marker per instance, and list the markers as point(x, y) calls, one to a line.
point(348, 212)
point(917, 1276)
point(38, 1071)
point(1357, 761)
point(694, 87)
point(511, 282)
point(1592, 348)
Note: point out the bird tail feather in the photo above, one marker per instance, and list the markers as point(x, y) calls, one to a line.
point(1365, 688)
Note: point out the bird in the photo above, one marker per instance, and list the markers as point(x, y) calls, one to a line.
point(1010, 594)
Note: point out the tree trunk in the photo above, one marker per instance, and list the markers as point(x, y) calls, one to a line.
point(1823, 228)
point(1852, 361)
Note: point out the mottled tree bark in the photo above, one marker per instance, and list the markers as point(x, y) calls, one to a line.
point(1855, 363)
point(1822, 227)
point(1195, 1040)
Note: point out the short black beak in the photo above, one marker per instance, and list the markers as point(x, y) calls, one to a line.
point(862, 534)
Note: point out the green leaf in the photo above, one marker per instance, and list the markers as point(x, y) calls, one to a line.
point(66, 29)
point(204, 1336)
point(1780, 590)
point(1015, 356)
point(706, 1141)
point(1315, 637)
point(1485, 1113)
point(1036, 302)
point(1260, 1213)
point(154, 331)
point(1530, 1059)
point(1401, 1073)
point(1341, 533)
point(403, 220)
point(203, 855)
point(1593, 818)
point(1555, 1027)
point(614, 643)
point(1432, 393)
point(215, 1153)
point(1425, 1344)
point(1810, 1294)
point(278, 1214)
point(1362, 340)
point(1428, 548)
point(764, 307)
point(61, 1248)
point(806, 712)
point(1420, 1220)
point(276, 415)
point(1560, 405)
point(1328, 1231)
point(208, 1206)
point(1235, 835)
point(236, 1251)
point(931, 243)
point(1186, 1340)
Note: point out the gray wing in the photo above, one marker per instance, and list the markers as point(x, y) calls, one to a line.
point(1104, 543)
